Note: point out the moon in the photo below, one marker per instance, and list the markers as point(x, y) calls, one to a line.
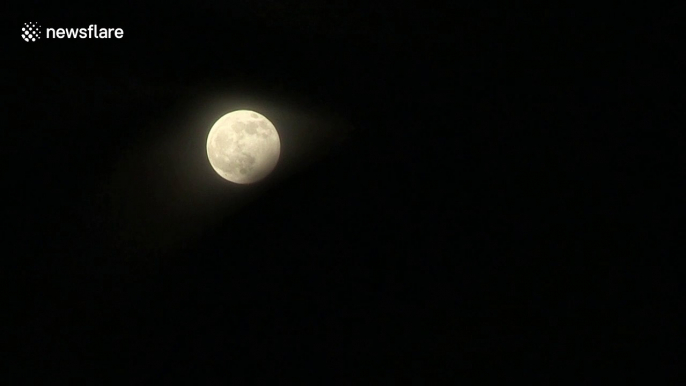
point(243, 146)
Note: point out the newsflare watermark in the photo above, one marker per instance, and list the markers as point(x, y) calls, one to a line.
point(32, 32)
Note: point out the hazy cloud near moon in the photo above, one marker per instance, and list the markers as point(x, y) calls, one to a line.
point(164, 191)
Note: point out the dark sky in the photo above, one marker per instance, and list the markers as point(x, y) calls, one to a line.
point(461, 189)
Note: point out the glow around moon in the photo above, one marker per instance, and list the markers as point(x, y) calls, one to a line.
point(243, 146)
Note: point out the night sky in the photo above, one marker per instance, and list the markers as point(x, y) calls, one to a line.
point(461, 190)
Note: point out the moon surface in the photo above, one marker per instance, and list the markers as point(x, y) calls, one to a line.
point(243, 146)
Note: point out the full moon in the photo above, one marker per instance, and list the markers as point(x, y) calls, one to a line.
point(243, 146)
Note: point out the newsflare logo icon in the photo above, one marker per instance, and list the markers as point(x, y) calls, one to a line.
point(30, 32)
